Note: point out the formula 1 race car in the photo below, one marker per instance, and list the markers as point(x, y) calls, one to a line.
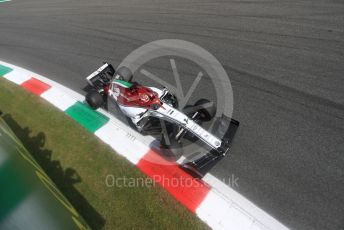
point(145, 107)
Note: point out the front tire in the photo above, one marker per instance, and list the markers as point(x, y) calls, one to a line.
point(207, 109)
point(94, 99)
point(125, 73)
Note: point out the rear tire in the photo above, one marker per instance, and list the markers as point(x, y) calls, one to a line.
point(207, 110)
point(94, 99)
point(125, 73)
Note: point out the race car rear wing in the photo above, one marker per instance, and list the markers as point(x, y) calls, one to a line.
point(101, 77)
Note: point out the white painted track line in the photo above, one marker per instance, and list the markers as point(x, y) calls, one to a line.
point(238, 203)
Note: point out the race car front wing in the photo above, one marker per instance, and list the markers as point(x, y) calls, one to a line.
point(226, 128)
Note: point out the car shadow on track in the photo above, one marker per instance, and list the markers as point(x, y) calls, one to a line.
point(64, 178)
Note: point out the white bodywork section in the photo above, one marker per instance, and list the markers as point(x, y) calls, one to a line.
point(169, 113)
point(132, 112)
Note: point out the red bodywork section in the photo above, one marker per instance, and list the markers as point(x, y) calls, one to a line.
point(135, 96)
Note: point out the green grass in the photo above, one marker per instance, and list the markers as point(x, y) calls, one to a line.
point(78, 163)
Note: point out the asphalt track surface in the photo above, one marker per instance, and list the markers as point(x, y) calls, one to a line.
point(285, 60)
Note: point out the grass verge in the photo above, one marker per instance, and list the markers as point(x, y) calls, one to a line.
point(78, 163)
